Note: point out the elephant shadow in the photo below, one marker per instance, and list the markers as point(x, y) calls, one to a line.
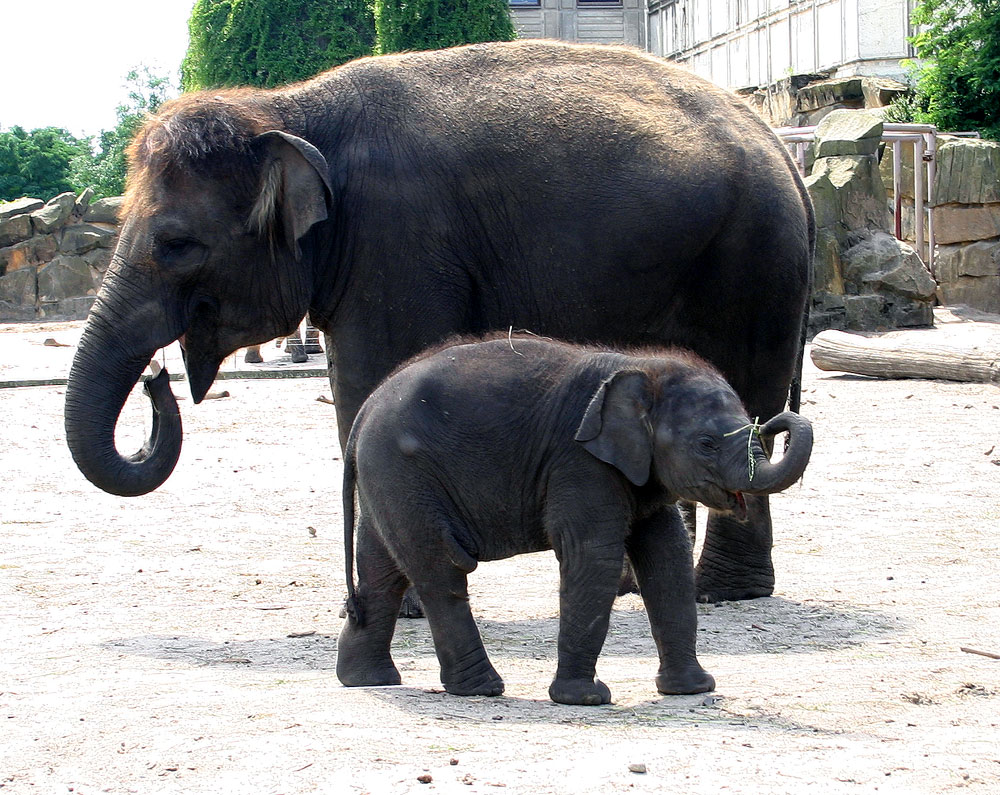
point(773, 625)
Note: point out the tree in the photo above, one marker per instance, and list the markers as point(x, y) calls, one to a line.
point(272, 42)
point(958, 86)
point(37, 163)
point(105, 170)
point(430, 24)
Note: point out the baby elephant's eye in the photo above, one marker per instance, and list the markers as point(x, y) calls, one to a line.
point(707, 444)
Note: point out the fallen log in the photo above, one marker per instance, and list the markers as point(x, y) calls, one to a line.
point(908, 355)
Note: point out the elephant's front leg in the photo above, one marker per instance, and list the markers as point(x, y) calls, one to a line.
point(735, 559)
point(590, 549)
point(660, 551)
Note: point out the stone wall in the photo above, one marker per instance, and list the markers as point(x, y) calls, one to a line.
point(53, 255)
point(865, 279)
point(966, 217)
point(805, 100)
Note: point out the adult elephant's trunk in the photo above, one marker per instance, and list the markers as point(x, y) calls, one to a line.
point(119, 339)
point(763, 477)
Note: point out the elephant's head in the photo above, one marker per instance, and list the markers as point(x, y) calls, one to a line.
point(679, 422)
point(216, 206)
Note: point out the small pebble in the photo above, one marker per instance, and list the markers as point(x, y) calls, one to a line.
point(637, 767)
point(426, 778)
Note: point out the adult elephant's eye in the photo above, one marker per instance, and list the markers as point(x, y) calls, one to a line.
point(180, 252)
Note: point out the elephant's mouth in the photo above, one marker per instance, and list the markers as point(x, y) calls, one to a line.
point(718, 499)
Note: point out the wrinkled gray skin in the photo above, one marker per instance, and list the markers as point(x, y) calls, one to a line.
point(485, 450)
point(585, 193)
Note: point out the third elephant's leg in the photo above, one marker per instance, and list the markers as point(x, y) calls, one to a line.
point(661, 554)
point(735, 559)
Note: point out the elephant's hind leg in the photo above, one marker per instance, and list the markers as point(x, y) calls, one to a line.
point(363, 650)
point(465, 667)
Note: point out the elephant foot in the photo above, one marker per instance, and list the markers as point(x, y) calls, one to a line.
point(582, 692)
point(298, 354)
point(488, 683)
point(693, 680)
point(360, 675)
point(252, 356)
point(713, 587)
point(411, 607)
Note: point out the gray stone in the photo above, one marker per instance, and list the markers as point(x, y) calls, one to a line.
point(881, 91)
point(99, 259)
point(974, 259)
point(882, 263)
point(834, 91)
point(83, 201)
point(19, 288)
point(979, 292)
point(80, 238)
point(861, 202)
point(105, 210)
point(19, 207)
point(849, 132)
point(14, 312)
point(15, 229)
point(968, 171)
point(827, 269)
point(957, 223)
point(35, 250)
point(824, 200)
point(67, 309)
point(864, 312)
point(54, 214)
point(64, 277)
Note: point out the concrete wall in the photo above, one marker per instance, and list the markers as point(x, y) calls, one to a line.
point(743, 43)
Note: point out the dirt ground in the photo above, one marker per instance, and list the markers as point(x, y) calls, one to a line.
point(185, 641)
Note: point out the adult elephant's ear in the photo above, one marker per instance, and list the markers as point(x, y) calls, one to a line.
point(294, 191)
point(616, 427)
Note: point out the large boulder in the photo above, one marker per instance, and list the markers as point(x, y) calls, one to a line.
point(35, 250)
point(970, 274)
point(54, 214)
point(64, 277)
point(881, 263)
point(858, 196)
point(958, 223)
point(14, 229)
point(19, 290)
point(104, 211)
point(81, 238)
point(849, 132)
point(968, 171)
point(19, 207)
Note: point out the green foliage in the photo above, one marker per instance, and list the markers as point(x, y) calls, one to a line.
point(429, 24)
point(272, 42)
point(958, 87)
point(37, 163)
point(104, 170)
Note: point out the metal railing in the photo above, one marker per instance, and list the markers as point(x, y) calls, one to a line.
point(923, 139)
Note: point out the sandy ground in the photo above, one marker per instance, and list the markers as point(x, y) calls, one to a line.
point(185, 641)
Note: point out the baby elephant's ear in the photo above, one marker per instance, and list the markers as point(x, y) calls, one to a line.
point(616, 426)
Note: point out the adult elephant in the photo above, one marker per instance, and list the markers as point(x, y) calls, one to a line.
point(594, 194)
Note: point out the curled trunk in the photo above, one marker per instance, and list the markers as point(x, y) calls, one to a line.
point(763, 477)
point(106, 367)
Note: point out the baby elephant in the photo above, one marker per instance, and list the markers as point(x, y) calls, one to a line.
point(481, 450)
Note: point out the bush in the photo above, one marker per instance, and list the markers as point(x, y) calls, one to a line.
point(272, 42)
point(430, 24)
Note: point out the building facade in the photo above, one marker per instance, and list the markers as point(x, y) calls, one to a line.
point(738, 43)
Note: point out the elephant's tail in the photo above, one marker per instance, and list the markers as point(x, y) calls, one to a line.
point(352, 607)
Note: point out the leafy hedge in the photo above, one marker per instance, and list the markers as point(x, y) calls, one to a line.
point(430, 24)
point(271, 42)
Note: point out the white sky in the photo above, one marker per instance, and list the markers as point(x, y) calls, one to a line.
point(67, 68)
